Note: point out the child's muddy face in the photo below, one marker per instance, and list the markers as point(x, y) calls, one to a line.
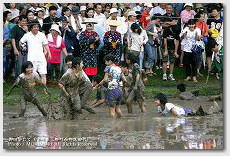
point(124, 69)
point(157, 102)
point(29, 70)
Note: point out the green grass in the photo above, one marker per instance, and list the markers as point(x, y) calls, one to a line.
point(152, 87)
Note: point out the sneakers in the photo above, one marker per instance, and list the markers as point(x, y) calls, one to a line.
point(165, 77)
point(171, 77)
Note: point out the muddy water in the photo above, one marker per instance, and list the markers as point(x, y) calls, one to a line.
point(99, 131)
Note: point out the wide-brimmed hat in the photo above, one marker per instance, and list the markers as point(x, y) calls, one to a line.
point(114, 23)
point(113, 10)
point(89, 20)
point(55, 27)
point(83, 8)
point(131, 13)
point(188, 4)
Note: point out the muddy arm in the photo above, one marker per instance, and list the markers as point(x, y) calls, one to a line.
point(63, 88)
point(12, 87)
point(102, 82)
point(137, 80)
point(99, 102)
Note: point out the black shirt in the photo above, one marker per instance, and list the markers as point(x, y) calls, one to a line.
point(170, 34)
point(215, 23)
point(47, 22)
point(17, 33)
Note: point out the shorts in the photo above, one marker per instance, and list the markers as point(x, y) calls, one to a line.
point(113, 97)
point(40, 67)
point(171, 58)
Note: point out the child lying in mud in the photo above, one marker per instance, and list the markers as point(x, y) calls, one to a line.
point(27, 80)
point(165, 108)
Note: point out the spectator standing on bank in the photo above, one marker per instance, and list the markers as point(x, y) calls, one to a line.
point(145, 19)
point(16, 34)
point(112, 41)
point(51, 19)
point(69, 17)
point(187, 14)
point(56, 46)
point(150, 46)
point(89, 42)
point(191, 35)
point(37, 43)
point(138, 38)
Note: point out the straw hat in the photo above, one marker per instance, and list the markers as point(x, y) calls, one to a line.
point(114, 23)
point(55, 27)
point(89, 20)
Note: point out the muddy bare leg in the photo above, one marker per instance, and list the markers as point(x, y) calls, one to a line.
point(38, 104)
point(112, 112)
point(84, 98)
point(142, 106)
point(23, 104)
point(118, 111)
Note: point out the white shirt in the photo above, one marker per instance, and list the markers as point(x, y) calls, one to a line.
point(99, 18)
point(35, 45)
point(168, 106)
point(189, 39)
point(136, 41)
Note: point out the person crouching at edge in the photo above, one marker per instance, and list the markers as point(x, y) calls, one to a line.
point(113, 75)
point(27, 80)
point(137, 86)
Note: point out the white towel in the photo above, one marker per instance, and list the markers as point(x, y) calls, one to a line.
point(58, 42)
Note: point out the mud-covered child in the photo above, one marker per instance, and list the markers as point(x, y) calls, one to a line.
point(136, 90)
point(27, 81)
point(128, 75)
point(113, 76)
point(164, 108)
point(85, 87)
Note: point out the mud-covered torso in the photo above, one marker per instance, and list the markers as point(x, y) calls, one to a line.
point(135, 69)
point(27, 84)
point(71, 81)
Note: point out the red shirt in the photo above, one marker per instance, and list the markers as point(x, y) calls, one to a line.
point(203, 27)
point(145, 19)
point(55, 51)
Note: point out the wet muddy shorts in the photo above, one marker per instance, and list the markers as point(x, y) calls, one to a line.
point(113, 97)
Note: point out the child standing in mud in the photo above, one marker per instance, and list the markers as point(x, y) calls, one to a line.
point(136, 90)
point(85, 87)
point(164, 108)
point(113, 76)
point(27, 80)
point(69, 85)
